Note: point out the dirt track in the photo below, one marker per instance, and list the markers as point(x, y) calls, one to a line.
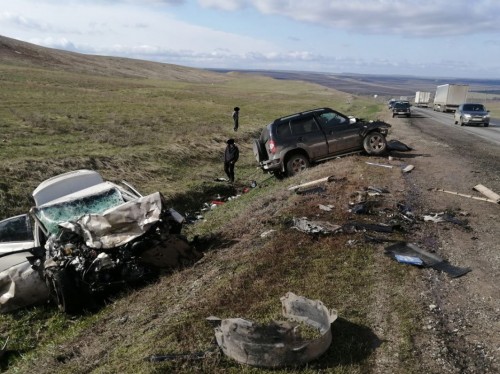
point(461, 333)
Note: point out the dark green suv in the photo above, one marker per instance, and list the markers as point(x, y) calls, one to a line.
point(290, 144)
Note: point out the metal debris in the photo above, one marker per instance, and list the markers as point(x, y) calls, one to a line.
point(315, 227)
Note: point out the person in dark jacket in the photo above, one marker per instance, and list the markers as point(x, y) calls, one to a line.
point(236, 115)
point(231, 155)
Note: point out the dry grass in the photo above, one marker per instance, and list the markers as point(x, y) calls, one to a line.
point(168, 135)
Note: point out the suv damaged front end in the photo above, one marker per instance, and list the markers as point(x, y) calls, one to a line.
point(98, 243)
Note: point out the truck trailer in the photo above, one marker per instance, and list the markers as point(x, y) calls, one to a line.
point(450, 96)
point(422, 98)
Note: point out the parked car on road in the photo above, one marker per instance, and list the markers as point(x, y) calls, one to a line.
point(85, 237)
point(401, 108)
point(290, 144)
point(472, 114)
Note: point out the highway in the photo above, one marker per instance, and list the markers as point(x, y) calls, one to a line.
point(489, 134)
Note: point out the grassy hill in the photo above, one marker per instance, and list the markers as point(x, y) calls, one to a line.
point(163, 127)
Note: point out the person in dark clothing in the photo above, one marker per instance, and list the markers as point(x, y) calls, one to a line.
point(236, 114)
point(231, 155)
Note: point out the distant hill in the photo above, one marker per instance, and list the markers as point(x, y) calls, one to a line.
point(381, 85)
point(19, 53)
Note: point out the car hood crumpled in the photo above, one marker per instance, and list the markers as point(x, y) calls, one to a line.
point(119, 225)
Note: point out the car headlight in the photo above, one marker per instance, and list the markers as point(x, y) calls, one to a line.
point(486, 116)
point(467, 116)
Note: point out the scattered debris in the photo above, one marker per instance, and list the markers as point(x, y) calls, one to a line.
point(326, 208)
point(312, 183)
point(396, 145)
point(221, 179)
point(410, 252)
point(267, 233)
point(444, 217)
point(374, 191)
point(364, 207)
point(280, 343)
point(408, 168)
point(464, 195)
point(487, 192)
point(315, 227)
point(382, 165)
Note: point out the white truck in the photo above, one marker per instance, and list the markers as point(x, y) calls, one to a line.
point(450, 96)
point(422, 98)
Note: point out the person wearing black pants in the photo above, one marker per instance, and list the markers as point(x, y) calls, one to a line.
point(231, 155)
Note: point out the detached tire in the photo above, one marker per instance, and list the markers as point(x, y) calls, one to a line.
point(64, 291)
point(375, 143)
point(296, 163)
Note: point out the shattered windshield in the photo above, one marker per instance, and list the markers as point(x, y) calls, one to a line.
point(52, 215)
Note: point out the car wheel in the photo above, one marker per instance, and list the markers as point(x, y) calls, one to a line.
point(486, 124)
point(64, 292)
point(461, 122)
point(393, 115)
point(296, 163)
point(259, 150)
point(375, 143)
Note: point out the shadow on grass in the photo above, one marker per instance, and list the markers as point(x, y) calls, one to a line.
point(193, 200)
point(352, 344)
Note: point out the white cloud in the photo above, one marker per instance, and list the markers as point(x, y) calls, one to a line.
point(412, 18)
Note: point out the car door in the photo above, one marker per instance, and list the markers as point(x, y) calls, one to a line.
point(341, 135)
point(16, 233)
point(308, 135)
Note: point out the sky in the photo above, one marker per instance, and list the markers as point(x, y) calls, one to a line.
point(422, 38)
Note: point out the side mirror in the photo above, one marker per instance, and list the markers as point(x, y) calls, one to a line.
point(352, 120)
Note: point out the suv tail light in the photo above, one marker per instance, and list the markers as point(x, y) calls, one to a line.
point(272, 146)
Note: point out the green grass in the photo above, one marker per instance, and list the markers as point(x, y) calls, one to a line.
point(169, 136)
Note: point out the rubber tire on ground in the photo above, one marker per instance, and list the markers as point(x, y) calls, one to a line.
point(375, 143)
point(296, 163)
point(486, 124)
point(259, 150)
point(461, 122)
point(69, 298)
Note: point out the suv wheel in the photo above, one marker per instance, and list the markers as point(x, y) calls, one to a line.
point(296, 163)
point(374, 143)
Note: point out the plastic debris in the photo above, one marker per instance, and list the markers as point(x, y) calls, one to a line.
point(409, 250)
point(487, 192)
point(326, 208)
point(278, 344)
point(408, 168)
point(382, 165)
point(396, 145)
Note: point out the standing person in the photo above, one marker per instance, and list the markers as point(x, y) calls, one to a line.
point(236, 114)
point(231, 155)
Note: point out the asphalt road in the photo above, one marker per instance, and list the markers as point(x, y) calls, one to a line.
point(489, 134)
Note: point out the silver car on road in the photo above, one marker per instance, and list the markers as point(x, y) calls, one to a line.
point(472, 114)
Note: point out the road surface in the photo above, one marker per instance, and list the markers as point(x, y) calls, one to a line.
point(489, 134)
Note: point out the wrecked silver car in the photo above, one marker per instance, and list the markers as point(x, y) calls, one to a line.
point(91, 236)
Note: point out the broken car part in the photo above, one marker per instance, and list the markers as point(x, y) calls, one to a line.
point(487, 192)
point(406, 250)
point(315, 227)
point(464, 195)
point(278, 344)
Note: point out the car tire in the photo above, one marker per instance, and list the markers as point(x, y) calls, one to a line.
point(461, 122)
point(486, 124)
point(64, 291)
point(393, 115)
point(259, 151)
point(296, 163)
point(375, 143)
